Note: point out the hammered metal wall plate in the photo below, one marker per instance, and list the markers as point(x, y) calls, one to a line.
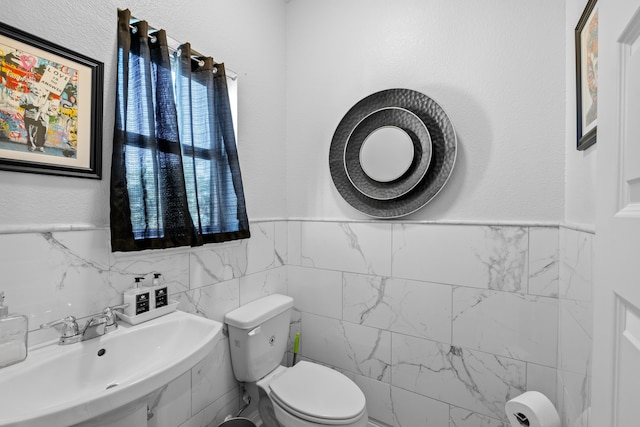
point(435, 146)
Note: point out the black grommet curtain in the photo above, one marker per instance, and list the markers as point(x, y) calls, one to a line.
point(175, 175)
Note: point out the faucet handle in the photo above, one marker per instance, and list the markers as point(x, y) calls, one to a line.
point(109, 314)
point(69, 332)
point(69, 328)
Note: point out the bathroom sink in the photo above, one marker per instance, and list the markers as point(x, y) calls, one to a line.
point(66, 385)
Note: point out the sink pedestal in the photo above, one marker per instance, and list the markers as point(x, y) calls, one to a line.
point(132, 415)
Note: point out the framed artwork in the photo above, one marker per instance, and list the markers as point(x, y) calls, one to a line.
point(586, 35)
point(50, 107)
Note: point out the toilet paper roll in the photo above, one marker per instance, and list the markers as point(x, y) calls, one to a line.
point(532, 409)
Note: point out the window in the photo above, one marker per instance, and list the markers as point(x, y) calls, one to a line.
point(175, 176)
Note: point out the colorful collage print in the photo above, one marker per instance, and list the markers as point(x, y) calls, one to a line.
point(38, 104)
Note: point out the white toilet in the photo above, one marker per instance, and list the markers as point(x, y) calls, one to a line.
point(305, 395)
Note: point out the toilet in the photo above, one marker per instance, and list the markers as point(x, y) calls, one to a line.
point(304, 395)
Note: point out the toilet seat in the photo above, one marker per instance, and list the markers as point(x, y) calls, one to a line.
point(289, 417)
point(318, 394)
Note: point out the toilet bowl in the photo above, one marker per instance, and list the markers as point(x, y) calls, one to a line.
point(304, 395)
point(309, 394)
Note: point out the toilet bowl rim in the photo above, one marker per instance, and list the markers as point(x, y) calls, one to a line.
point(322, 421)
point(264, 384)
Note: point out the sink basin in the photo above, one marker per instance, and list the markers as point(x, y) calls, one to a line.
point(66, 385)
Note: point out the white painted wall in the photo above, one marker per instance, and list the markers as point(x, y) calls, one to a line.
point(580, 166)
point(497, 68)
point(248, 36)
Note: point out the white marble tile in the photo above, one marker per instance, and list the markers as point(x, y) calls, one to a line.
point(174, 267)
point(576, 391)
point(544, 261)
point(293, 242)
point(576, 275)
point(281, 243)
point(459, 417)
point(401, 408)
point(215, 413)
point(412, 409)
point(543, 379)
point(213, 301)
point(477, 381)
point(72, 277)
point(378, 396)
point(216, 263)
point(316, 291)
point(263, 283)
point(476, 256)
point(575, 329)
point(261, 248)
point(173, 406)
point(353, 247)
point(522, 327)
point(212, 378)
point(560, 406)
point(47, 276)
point(212, 264)
point(576, 250)
point(356, 348)
point(411, 307)
point(573, 286)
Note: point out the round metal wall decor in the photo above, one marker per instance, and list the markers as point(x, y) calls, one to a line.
point(434, 153)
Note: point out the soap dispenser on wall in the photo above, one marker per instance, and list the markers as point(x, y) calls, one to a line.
point(13, 336)
point(139, 299)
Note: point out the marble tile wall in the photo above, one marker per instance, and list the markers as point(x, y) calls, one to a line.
point(54, 274)
point(575, 326)
point(439, 324)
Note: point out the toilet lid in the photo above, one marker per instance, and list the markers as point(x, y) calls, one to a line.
point(316, 392)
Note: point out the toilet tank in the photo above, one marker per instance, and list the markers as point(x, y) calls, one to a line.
point(258, 333)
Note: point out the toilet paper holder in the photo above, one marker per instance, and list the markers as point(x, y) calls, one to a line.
point(522, 419)
point(532, 409)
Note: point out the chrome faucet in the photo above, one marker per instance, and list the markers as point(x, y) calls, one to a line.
point(70, 333)
point(96, 326)
point(110, 317)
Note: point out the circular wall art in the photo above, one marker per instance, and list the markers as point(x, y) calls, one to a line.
point(434, 153)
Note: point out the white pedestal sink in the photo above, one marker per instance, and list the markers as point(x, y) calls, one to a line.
point(66, 385)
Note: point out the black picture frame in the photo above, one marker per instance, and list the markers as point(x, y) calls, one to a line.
point(50, 107)
point(586, 44)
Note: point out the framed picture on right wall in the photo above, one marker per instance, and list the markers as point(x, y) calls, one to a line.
point(586, 35)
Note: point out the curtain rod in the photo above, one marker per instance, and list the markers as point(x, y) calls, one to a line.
point(174, 45)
